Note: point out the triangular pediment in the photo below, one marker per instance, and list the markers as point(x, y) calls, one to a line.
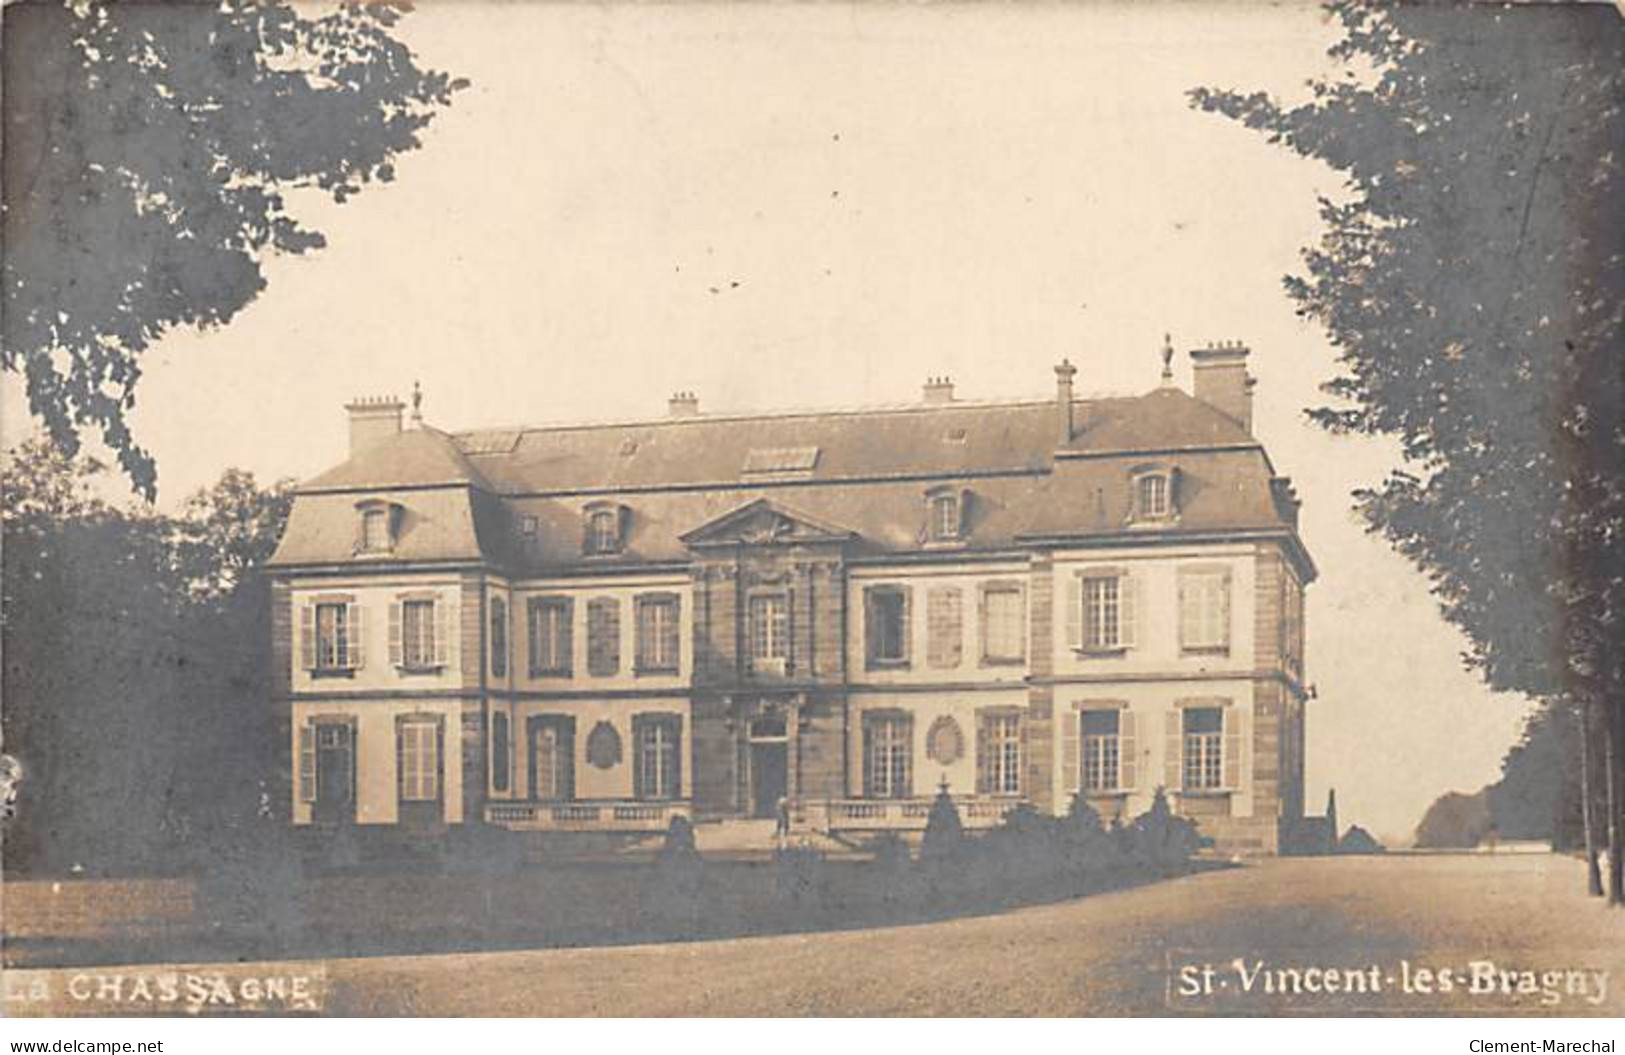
point(765, 522)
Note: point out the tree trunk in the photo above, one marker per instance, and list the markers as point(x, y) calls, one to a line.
point(1616, 824)
point(1587, 812)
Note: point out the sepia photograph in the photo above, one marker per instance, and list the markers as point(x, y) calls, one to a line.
point(818, 510)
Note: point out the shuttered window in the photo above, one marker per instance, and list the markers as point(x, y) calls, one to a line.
point(1101, 750)
point(1102, 610)
point(1004, 623)
point(417, 634)
point(945, 630)
point(499, 637)
point(1204, 610)
point(1203, 764)
point(501, 752)
point(603, 636)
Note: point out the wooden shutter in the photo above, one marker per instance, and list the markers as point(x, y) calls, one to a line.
point(676, 756)
point(1021, 754)
point(1224, 608)
point(871, 634)
point(671, 634)
point(307, 636)
point(1173, 723)
point(623, 526)
point(533, 635)
point(567, 750)
point(1071, 759)
point(640, 724)
point(307, 763)
point(1188, 619)
point(789, 631)
point(443, 629)
point(983, 749)
point(642, 644)
point(1127, 750)
point(868, 756)
point(908, 623)
point(567, 636)
point(1232, 748)
point(1128, 609)
point(395, 633)
point(1074, 611)
point(355, 621)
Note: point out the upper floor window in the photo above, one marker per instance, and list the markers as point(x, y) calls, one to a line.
point(1101, 612)
point(499, 637)
point(769, 628)
point(548, 629)
point(1204, 609)
point(332, 636)
point(888, 749)
point(658, 635)
point(1004, 623)
point(1203, 729)
point(604, 531)
point(418, 639)
point(375, 530)
point(1153, 497)
point(886, 625)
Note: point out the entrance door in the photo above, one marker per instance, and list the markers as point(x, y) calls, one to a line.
point(335, 774)
point(769, 777)
point(552, 758)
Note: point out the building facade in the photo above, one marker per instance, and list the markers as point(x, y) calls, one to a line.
point(600, 627)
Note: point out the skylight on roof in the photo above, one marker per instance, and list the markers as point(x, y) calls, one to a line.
point(780, 460)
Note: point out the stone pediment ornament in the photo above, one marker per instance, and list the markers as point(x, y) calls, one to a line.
point(765, 523)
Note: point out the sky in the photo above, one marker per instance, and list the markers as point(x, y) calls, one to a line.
point(782, 206)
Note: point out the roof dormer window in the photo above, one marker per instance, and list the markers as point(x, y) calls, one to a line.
point(1154, 493)
point(604, 531)
point(945, 514)
point(377, 527)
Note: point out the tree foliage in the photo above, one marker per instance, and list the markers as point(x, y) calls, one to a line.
point(1470, 280)
point(150, 153)
point(137, 668)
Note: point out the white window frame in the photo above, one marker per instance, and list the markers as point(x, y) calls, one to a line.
point(1103, 611)
point(769, 626)
point(545, 622)
point(1202, 754)
point(603, 531)
point(334, 649)
point(418, 650)
point(1004, 753)
point(887, 739)
point(1100, 753)
point(945, 514)
point(657, 632)
point(657, 761)
point(419, 778)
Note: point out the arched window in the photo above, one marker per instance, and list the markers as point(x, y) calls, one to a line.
point(1153, 496)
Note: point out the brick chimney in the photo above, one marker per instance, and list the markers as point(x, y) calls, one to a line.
point(372, 419)
point(939, 390)
point(683, 405)
point(1221, 381)
point(1064, 373)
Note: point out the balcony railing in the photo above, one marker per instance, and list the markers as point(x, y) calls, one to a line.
point(602, 815)
point(975, 811)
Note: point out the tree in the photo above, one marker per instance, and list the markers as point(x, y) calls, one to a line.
point(1471, 280)
point(150, 149)
point(229, 530)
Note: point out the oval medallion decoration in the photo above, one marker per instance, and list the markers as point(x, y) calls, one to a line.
point(944, 741)
point(603, 746)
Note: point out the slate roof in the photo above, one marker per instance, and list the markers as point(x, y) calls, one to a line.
point(868, 476)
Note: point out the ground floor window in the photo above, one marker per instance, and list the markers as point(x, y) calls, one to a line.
point(418, 759)
point(1000, 754)
point(659, 758)
point(887, 756)
point(552, 758)
point(500, 752)
point(1204, 741)
point(1101, 754)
